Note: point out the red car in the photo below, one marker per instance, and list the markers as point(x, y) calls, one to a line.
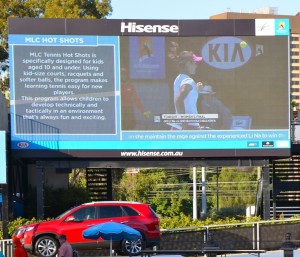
point(41, 238)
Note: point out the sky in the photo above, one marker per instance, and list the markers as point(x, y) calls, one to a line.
point(194, 9)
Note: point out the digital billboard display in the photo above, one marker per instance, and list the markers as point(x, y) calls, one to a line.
point(149, 88)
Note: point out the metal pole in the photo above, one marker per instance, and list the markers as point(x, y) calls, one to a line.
point(217, 188)
point(39, 175)
point(203, 192)
point(194, 193)
point(273, 192)
point(5, 190)
point(5, 212)
point(266, 190)
point(257, 236)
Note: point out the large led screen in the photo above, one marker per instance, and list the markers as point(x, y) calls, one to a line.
point(150, 89)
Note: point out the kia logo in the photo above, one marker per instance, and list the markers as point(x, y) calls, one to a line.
point(23, 145)
point(226, 52)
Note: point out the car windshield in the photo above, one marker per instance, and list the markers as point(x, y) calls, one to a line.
point(63, 214)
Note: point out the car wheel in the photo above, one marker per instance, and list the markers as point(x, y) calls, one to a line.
point(46, 246)
point(132, 247)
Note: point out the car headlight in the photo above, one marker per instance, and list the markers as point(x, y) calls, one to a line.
point(28, 229)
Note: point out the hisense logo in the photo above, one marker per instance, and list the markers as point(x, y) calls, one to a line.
point(132, 27)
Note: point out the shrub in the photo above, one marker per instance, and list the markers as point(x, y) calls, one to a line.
point(14, 224)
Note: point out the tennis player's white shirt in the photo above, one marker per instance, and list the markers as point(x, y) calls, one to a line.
point(190, 102)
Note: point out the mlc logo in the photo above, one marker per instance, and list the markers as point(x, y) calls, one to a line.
point(226, 52)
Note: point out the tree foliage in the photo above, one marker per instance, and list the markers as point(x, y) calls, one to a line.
point(155, 187)
point(169, 193)
point(78, 178)
point(88, 9)
point(136, 187)
point(229, 191)
point(77, 9)
point(232, 189)
point(173, 204)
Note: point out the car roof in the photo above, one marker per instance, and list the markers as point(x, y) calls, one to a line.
point(112, 202)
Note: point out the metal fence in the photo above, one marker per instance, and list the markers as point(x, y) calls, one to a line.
point(6, 247)
point(263, 235)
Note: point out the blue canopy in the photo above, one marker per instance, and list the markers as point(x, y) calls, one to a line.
point(111, 231)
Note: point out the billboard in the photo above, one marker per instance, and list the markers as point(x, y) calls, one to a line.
point(150, 88)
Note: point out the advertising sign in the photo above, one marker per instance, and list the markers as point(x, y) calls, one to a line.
point(150, 89)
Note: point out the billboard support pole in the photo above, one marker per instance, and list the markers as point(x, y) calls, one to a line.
point(266, 190)
point(40, 189)
point(5, 165)
point(5, 212)
point(194, 193)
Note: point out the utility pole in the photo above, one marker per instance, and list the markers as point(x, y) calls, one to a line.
point(217, 188)
point(194, 193)
point(204, 210)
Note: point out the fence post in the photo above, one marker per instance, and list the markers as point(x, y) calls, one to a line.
point(210, 244)
point(258, 235)
point(6, 247)
point(288, 246)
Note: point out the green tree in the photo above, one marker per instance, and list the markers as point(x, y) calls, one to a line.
point(78, 178)
point(77, 9)
point(137, 187)
point(173, 204)
point(167, 196)
point(231, 188)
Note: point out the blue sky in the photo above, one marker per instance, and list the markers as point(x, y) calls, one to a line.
point(194, 9)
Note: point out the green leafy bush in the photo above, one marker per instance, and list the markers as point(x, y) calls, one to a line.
point(14, 224)
point(183, 221)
